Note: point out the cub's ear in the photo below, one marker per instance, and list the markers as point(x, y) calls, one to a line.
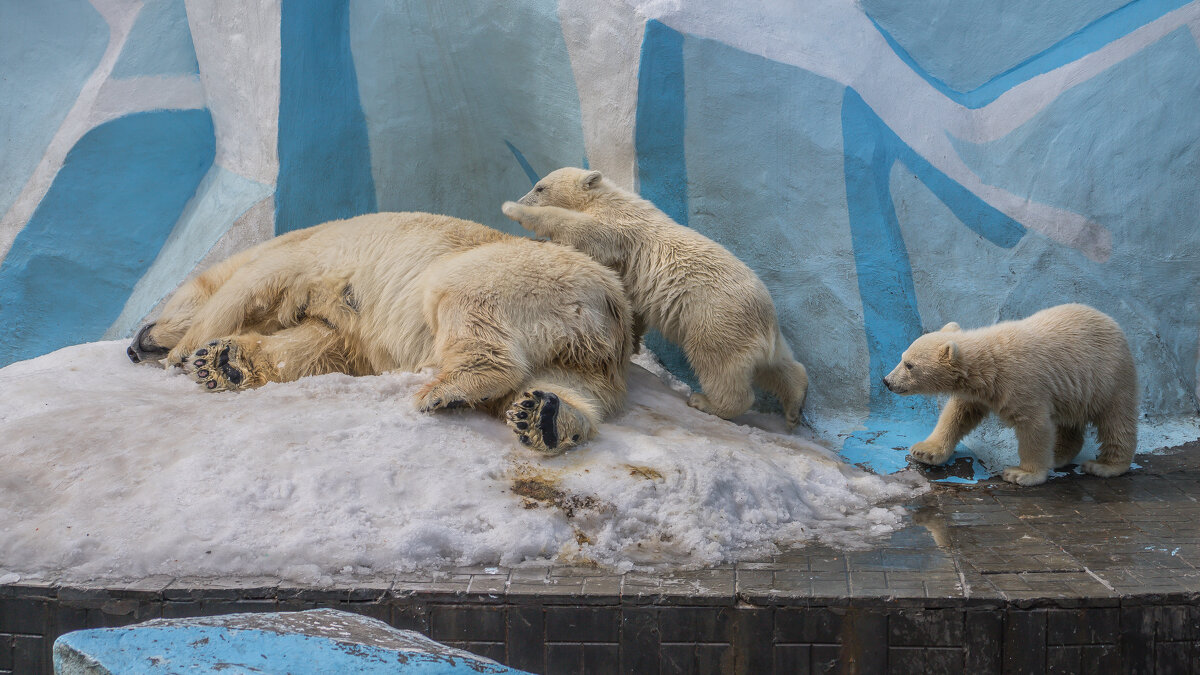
point(590, 180)
point(948, 353)
point(951, 328)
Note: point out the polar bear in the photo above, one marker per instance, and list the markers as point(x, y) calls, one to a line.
point(532, 330)
point(690, 288)
point(1048, 376)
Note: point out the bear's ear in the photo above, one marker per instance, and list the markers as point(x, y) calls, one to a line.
point(948, 353)
point(951, 328)
point(590, 180)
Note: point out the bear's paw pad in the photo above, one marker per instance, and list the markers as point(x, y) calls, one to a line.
point(537, 418)
point(217, 366)
point(1015, 474)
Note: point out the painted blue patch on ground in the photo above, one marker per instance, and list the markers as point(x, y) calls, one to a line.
point(99, 227)
point(160, 43)
point(993, 42)
point(214, 649)
point(324, 156)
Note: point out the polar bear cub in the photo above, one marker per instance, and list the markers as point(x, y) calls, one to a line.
point(690, 288)
point(1047, 376)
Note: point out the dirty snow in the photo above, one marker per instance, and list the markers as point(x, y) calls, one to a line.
point(110, 470)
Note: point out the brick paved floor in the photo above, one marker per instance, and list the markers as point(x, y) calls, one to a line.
point(1078, 575)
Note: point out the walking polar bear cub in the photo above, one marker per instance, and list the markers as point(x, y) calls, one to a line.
point(1048, 376)
point(531, 330)
point(694, 291)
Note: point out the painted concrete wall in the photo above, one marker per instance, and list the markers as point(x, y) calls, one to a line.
point(885, 166)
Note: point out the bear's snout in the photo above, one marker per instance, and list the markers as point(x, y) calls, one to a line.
point(139, 349)
point(887, 384)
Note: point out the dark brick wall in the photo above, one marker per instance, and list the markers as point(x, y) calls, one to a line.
point(572, 634)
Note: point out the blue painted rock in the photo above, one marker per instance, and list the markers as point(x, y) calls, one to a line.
point(316, 641)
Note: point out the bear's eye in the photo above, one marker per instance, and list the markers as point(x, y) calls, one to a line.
point(538, 188)
point(908, 365)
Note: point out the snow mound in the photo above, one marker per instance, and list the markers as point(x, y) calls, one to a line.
point(111, 470)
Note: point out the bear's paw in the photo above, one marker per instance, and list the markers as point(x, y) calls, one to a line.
point(545, 423)
point(1015, 474)
point(931, 453)
point(217, 366)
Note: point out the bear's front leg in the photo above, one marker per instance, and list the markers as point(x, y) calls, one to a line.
point(957, 420)
point(1035, 445)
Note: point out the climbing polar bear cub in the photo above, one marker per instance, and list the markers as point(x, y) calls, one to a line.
point(531, 330)
point(690, 288)
point(1047, 376)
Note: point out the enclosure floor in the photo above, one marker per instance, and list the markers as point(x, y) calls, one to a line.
point(1077, 574)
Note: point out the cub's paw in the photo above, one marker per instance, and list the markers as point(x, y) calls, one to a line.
point(513, 210)
point(437, 396)
point(217, 366)
point(1015, 474)
point(1103, 470)
point(928, 452)
point(544, 423)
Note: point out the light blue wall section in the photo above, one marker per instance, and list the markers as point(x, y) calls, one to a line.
point(448, 87)
point(221, 198)
point(765, 178)
point(47, 50)
point(160, 43)
point(1129, 141)
point(974, 52)
point(103, 221)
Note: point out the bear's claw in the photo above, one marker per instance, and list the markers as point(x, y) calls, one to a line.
point(217, 366)
point(1015, 474)
point(535, 418)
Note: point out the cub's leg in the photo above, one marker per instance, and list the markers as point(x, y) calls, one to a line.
point(788, 380)
point(957, 420)
point(725, 389)
point(557, 410)
point(1035, 444)
point(251, 360)
point(1068, 441)
point(478, 362)
point(1117, 432)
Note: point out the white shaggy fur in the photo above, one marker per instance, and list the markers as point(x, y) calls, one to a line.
point(690, 288)
point(1047, 376)
point(506, 321)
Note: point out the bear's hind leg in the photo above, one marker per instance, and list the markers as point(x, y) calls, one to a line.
point(1035, 440)
point(1117, 432)
point(555, 411)
point(724, 382)
point(477, 361)
point(788, 380)
point(1068, 441)
point(251, 360)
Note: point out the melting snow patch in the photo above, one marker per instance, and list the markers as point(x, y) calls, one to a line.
point(113, 470)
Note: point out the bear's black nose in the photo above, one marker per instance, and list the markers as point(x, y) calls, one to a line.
point(887, 384)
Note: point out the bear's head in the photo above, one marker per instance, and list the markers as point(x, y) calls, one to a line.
point(567, 188)
point(932, 364)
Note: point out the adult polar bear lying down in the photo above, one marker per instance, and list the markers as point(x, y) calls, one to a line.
point(532, 330)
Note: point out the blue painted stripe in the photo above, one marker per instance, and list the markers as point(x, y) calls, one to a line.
point(890, 312)
point(101, 224)
point(660, 122)
point(324, 155)
point(525, 166)
point(1086, 40)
